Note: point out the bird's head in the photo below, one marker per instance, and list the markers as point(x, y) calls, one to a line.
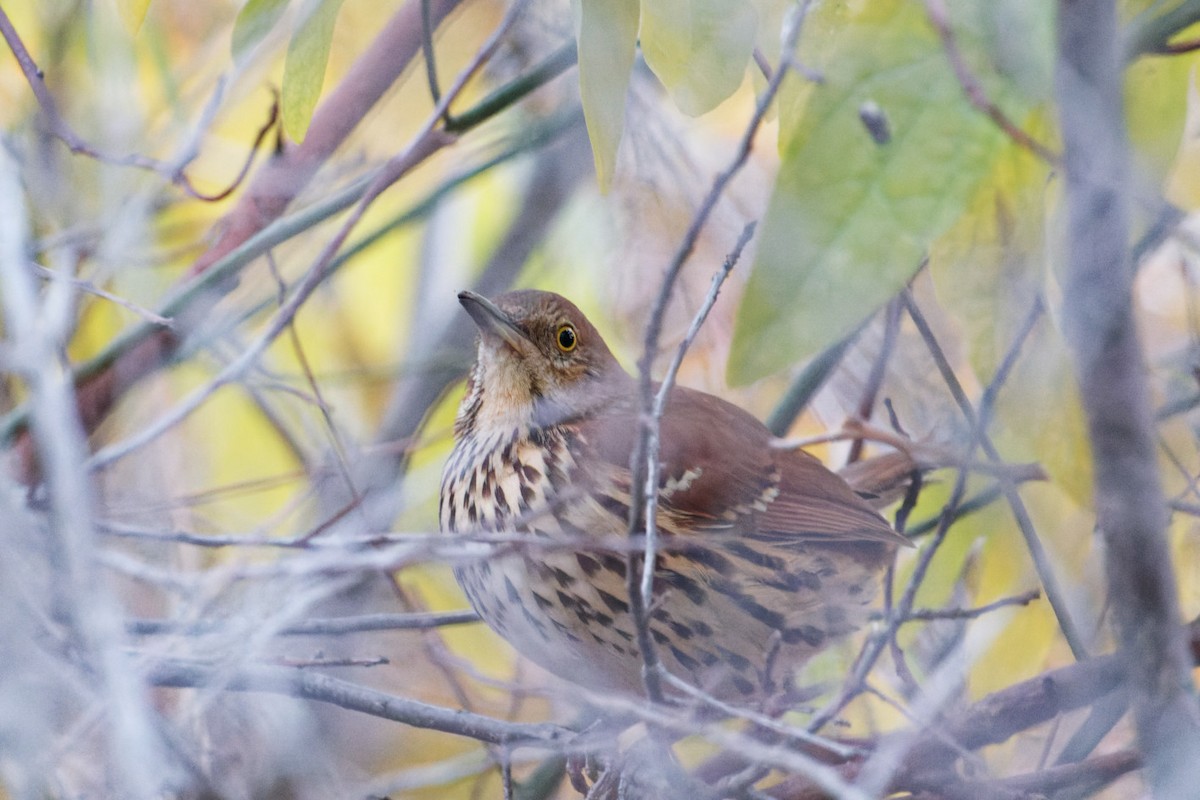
point(539, 360)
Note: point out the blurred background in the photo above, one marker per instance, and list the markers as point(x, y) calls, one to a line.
point(225, 502)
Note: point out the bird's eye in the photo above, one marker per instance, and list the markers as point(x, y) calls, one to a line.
point(566, 338)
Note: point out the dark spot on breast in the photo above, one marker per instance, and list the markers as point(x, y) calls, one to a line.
point(602, 618)
point(680, 630)
point(772, 619)
point(613, 564)
point(708, 658)
point(686, 661)
point(528, 495)
point(809, 634)
point(568, 601)
point(613, 602)
point(757, 557)
point(613, 506)
point(530, 474)
point(563, 577)
point(501, 500)
point(541, 601)
point(539, 439)
point(450, 516)
point(742, 685)
point(686, 585)
point(795, 581)
point(735, 660)
point(711, 559)
point(588, 564)
point(658, 636)
point(701, 628)
point(535, 623)
point(835, 615)
point(513, 594)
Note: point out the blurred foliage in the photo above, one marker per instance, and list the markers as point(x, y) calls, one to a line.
point(666, 87)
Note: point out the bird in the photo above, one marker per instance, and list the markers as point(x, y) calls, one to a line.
point(765, 555)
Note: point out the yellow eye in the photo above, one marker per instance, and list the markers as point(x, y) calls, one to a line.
point(566, 338)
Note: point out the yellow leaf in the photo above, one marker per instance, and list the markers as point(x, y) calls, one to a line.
point(253, 23)
point(133, 13)
point(304, 69)
point(606, 31)
point(1183, 189)
point(698, 48)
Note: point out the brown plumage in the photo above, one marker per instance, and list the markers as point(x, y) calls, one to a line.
point(766, 554)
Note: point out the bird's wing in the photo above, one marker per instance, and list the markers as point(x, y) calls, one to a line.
point(720, 472)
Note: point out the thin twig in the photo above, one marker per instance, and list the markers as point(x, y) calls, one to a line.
point(92, 289)
point(930, 614)
point(1033, 543)
point(335, 436)
point(646, 588)
point(180, 673)
point(642, 459)
point(950, 513)
point(431, 72)
point(427, 140)
point(76, 144)
point(334, 626)
point(866, 404)
point(310, 663)
point(935, 10)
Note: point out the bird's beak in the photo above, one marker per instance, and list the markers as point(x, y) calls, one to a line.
point(491, 319)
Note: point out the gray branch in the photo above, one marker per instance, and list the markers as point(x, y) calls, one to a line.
point(1113, 379)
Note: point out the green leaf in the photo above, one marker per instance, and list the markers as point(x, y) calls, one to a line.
point(256, 19)
point(698, 48)
point(304, 69)
point(606, 31)
point(850, 218)
point(133, 13)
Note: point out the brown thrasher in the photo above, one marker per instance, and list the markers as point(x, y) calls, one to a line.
point(766, 555)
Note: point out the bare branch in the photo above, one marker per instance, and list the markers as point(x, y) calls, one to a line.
point(1110, 365)
point(310, 685)
point(643, 457)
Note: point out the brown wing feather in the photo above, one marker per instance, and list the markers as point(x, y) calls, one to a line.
point(719, 471)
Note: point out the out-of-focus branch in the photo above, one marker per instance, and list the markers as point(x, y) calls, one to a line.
point(35, 330)
point(979, 421)
point(1109, 363)
point(645, 451)
point(59, 127)
point(1151, 32)
point(310, 685)
point(273, 188)
point(333, 626)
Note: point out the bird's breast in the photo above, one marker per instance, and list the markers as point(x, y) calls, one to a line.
point(533, 480)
